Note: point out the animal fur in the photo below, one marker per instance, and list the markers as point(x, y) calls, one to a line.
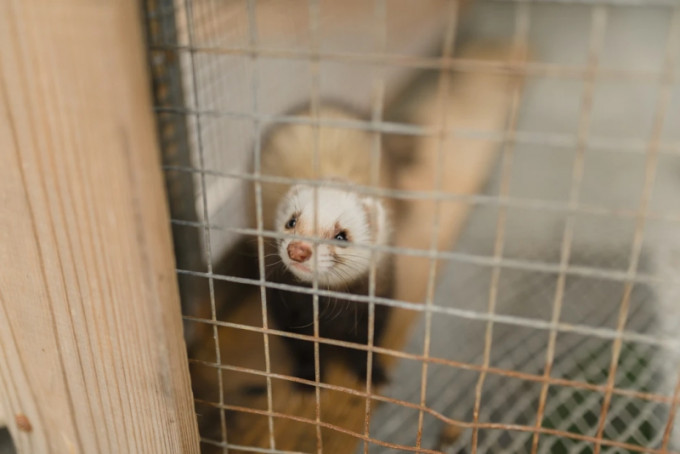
point(345, 217)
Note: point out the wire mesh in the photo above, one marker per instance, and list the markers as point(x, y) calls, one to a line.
point(551, 326)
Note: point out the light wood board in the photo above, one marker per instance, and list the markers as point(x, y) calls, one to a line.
point(92, 358)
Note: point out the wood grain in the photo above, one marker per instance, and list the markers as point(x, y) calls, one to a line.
point(91, 346)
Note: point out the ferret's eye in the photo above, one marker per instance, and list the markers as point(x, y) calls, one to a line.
point(341, 236)
point(291, 223)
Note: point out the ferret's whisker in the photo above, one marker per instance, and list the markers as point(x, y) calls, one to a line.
point(355, 262)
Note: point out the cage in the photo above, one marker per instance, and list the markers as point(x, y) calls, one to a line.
point(533, 155)
point(545, 136)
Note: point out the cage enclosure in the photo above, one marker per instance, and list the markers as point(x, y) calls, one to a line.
point(533, 156)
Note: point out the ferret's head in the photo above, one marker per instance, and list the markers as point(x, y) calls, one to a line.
point(343, 216)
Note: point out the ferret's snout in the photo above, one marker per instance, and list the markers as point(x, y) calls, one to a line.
point(299, 252)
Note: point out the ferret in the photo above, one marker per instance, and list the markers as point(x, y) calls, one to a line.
point(345, 217)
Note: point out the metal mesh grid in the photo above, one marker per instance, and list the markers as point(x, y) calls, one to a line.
point(581, 322)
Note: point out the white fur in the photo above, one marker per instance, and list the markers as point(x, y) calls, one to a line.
point(351, 212)
point(343, 153)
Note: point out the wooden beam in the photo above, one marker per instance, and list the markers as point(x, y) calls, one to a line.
point(92, 357)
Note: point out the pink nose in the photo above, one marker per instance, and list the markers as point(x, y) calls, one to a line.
point(299, 252)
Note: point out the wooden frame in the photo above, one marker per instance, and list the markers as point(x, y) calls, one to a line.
point(92, 357)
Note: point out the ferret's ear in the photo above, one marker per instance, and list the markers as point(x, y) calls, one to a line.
point(285, 205)
point(294, 190)
point(375, 214)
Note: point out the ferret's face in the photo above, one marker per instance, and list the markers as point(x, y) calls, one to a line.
point(342, 216)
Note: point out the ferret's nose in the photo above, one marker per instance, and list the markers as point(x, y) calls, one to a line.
point(299, 252)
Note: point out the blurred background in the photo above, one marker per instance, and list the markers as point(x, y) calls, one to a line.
point(566, 259)
point(591, 156)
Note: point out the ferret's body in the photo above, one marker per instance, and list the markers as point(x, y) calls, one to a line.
point(343, 219)
point(339, 318)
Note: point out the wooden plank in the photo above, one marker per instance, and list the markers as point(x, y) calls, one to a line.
point(92, 358)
